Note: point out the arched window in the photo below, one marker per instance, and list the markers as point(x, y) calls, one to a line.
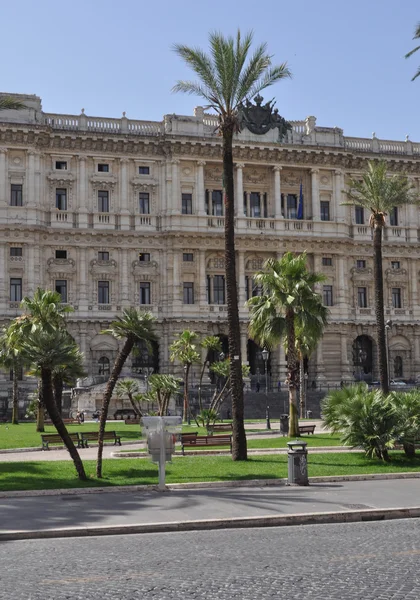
point(398, 366)
point(103, 364)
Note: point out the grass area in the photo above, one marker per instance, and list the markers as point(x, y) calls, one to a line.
point(139, 471)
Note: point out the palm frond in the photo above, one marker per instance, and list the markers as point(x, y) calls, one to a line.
point(7, 103)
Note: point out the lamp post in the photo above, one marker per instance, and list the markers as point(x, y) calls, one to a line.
point(186, 395)
point(388, 326)
point(265, 354)
point(305, 385)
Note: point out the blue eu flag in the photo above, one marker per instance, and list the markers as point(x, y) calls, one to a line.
point(300, 207)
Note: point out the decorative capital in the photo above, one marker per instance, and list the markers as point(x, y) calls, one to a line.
point(175, 161)
point(124, 161)
point(240, 165)
point(338, 172)
point(82, 158)
point(277, 168)
point(314, 171)
point(3, 151)
point(201, 163)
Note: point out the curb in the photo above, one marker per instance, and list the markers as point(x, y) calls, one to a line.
point(213, 524)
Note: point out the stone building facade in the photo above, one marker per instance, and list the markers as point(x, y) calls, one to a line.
point(119, 212)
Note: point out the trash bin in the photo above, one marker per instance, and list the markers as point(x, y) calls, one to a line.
point(309, 414)
point(284, 424)
point(297, 464)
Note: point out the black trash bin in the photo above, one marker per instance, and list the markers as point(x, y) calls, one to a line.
point(284, 424)
point(297, 467)
point(309, 414)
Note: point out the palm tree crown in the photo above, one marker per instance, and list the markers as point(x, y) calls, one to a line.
point(416, 37)
point(134, 325)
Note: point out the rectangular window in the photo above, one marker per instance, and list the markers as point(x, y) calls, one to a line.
point(144, 170)
point(61, 199)
point(103, 255)
point(103, 168)
point(61, 165)
point(217, 203)
point(326, 261)
point(61, 288)
point(103, 201)
point(103, 292)
point(325, 210)
point(291, 206)
point(327, 295)
point(395, 264)
point(144, 205)
point(145, 292)
point(188, 257)
point(144, 257)
point(15, 289)
point(16, 194)
point(255, 204)
point(361, 264)
point(15, 251)
point(359, 215)
point(396, 298)
point(188, 293)
point(187, 204)
point(61, 254)
point(393, 217)
point(219, 289)
point(362, 297)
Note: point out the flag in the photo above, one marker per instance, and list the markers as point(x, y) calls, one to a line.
point(300, 207)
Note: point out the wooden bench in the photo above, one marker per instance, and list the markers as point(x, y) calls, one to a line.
point(306, 429)
point(204, 440)
point(220, 427)
point(132, 421)
point(92, 436)
point(55, 438)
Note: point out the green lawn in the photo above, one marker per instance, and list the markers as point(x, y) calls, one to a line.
point(139, 471)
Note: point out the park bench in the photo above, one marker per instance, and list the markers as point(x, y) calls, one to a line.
point(306, 429)
point(54, 438)
point(191, 441)
point(65, 421)
point(92, 436)
point(220, 427)
point(132, 421)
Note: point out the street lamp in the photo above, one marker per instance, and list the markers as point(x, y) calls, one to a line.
point(265, 354)
point(186, 401)
point(388, 326)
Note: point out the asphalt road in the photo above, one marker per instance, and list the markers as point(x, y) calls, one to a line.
point(366, 561)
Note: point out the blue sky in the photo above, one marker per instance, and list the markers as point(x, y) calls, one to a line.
point(347, 58)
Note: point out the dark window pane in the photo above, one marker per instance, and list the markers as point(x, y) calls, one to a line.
point(61, 254)
point(61, 199)
point(103, 201)
point(361, 264)
point(187, 204)
point(15, 289)
point(144, 257)
point(325, 210)
point(144, 206)
point(103, 366)
point(103, 255)
point(188, 257)
point(327, 295)
point(61, 165)
point(103, 292)
point(145, 292)
point(61, 288)
point(144, 170)
point(291, 208)
point(255, 204)
point(219, 289)
point(326, 261)
point(188, 293)
point(362, 297)
point(15, 251)
point(393, 217)
point(395, 264)
point(16, 194)
point(217, 203)
point(359, 215)
point(396, 298)
point(103, 168)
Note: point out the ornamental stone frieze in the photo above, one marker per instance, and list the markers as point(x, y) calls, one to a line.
point(396, 275)
point(103, 182)
point(63, 265)
point(140, 267)
point(104, 269)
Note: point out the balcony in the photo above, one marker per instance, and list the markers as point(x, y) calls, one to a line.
point(144, 222)
point(62, 218)
point(103, 221)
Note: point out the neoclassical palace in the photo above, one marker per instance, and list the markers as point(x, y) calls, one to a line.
point(119, 212)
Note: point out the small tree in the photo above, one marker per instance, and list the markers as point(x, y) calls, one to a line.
point(407, 408)
point(184, 350)
point(161, 388)
point(210, 343)
point(11, 359)
point(129, 388)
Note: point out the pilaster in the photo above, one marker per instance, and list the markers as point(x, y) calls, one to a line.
point(315, 194)
point(277, 192)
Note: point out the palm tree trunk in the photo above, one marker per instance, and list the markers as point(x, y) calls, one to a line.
point(186, 408)
point(112, 381)
point(58, 392)
point(15, 403)
point(239, 449)
point(40, 420)
point(48, 399)
point(200, 402)
point(136, 409)
point(302, 390)
point(379, 308)
point(292, 374)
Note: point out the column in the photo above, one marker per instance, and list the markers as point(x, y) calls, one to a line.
point(201, 192)
point(83, 288)
point(29, 270)
point(342, 283)
point(3, 276)
point(176, 280)
point(30, 195)
point(338, 198)
point(414, 284)
point(82, 342)
point(83, 207)
point(124, 200)
point(315, 195)
point(277, 192)
point(241, 279)
point(239, 200)
point(4, 198)
point(124, 289)
point(345, 364)
point(244, 348)
point(202, 278)
point(175, 197)
point(320, 377)
point(282, 365)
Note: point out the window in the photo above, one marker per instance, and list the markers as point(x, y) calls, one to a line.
point(325, 210)
point(61, 254)
point(103, 292)
point(359, 215)
point(188, 257)
point(188, 293)
point(61, 165)
point(361, 264)
point(395, 264)
point(103, 255)
point(103, 366)
point(398, 366)
point(16, 194)
point(252, 288)
point(61, 288)
point(144, 205)
point(144, 257)
point(396, 298)
point(103, 201)
point(219, 289)
point(362, 297)
point(326, 261)
point(61, 199)
point(187, 204)
point(15, 251)
point(255, 204)
point(144, 170)
point(103, 168)
point(291, 206)
point(393, 217)
point(145, 292)
point(327, 295)
point(15, 289)
point(216, 208)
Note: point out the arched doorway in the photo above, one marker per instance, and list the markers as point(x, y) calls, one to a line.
point(104, 366)
point(363, 358)
point(145, 361)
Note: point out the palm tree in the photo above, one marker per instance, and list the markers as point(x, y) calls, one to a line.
point(211, 343)
point(46, 350)
point(161, 388)
point(66, 375)
point(132, 327)
point(129, 388)
point(7, 103)
point(380, 194)
point(11, 360)
point(184, 350)
point(416, 37)
point(288, 302)
point(226, 78)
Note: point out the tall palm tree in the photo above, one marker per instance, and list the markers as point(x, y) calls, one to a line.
point(380, 193)
point(132, 327)
point(11, 360)
point(66, 375)
point(288, 302)
point(130, 388)
point(184, 350)
point(416, 37)
point(46, 350)
point(227, 77)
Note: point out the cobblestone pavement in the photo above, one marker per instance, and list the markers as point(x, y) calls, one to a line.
point(366, 561)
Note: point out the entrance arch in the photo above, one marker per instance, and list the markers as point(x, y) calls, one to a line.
point(363, 358)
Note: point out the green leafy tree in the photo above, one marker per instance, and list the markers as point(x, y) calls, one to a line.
point(380, 193)
point(161, 389)
point(222, 371)
point(66, 375)
point(288, 302)
point(407, 408)
point(184, 350)
point(11, 360)
point(416, 37)
point(227, 77)
point(130, 388)
point(133, 326)
point(211, 344)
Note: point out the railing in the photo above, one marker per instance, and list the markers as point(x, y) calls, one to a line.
point(103, 124)
point(290, 225)
point(388, 147)
point(63, 216)
point(145, 221)
point(218, 222)
point(358, 144)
